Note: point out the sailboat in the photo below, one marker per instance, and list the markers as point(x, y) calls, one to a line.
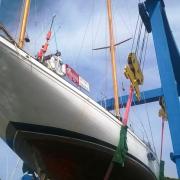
point(57, 130)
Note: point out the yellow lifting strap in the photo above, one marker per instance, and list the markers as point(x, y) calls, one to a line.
point(133, 72)
point(162, 111)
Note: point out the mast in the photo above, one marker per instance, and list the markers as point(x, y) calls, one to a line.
point(24, 23)
point(113, 59)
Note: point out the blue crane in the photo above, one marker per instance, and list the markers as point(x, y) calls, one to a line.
point(154, 17)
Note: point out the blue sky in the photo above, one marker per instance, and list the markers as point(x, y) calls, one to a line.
point(80, 26)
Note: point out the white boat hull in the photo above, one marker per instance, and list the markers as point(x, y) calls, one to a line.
point(32, 94)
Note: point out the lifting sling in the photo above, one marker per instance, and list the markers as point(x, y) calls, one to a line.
point(132, 72)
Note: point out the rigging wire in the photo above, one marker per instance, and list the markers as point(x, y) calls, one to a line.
point(140, 53)
point(150, 127)
point(92, 28)
point(35, 23)
point(84, 35)
point(140, 121)
point(139, 37)
point(98, 25)
point(55, 39)
point(107, 64)
point(126, 5)
point(20, 15)
point(43, 30)
point(35, 10)
point(56, 31)
point(7, 169)
point(145, 42)
point(15, 169)
point(118, 10)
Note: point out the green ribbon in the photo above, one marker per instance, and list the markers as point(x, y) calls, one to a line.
point(122, 148)
point(161, 170)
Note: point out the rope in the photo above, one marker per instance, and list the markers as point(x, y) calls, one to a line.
point(108, 173)
point(162, 138)
point(162, 163)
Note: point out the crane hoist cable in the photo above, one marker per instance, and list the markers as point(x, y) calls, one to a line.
point(142, 46)
point(145, 51)
point(134, 37)
point(139, 37)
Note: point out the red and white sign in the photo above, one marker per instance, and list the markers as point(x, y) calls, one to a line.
point(84, 84)
point(75, 78)
point(72, 75)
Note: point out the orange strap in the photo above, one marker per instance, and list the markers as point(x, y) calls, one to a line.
point(162, 138)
